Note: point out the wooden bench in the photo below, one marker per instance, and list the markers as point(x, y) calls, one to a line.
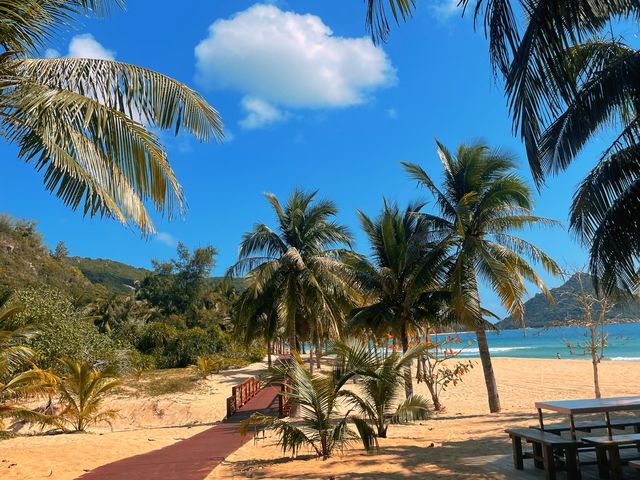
point(604, 444)
point(589, 426)
point(545, 447)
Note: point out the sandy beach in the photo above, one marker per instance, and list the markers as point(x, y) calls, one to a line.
point(448, 446)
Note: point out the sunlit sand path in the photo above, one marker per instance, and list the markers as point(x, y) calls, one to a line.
point(194, 457)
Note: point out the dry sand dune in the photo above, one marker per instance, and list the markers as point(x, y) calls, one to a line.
point(446, 447)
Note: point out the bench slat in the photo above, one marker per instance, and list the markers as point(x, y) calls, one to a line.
point(606, 440)
point(594, 425)
point(543, 437)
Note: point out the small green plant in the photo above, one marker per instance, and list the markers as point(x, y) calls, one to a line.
point(383, 385)
point(19, 378)
point(323, 425)
point(437, 369)
point(82, 391)
point(205, 366)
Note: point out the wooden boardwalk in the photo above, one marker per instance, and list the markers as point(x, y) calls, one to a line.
point(194, 457)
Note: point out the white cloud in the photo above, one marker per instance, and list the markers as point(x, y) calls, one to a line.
point(445, 9)
point(51, 53)
point(289, 60)
point(85, 46)
point(392, 113)
point(229, 136)
point(260, 113)
point(166, 238)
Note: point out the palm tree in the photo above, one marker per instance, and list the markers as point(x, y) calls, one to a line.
point(404, 281)
point(82, 391)
point(19, 379)
point(481, 202)
point(382, 381)
point(87, 123)
point(296, 272)
point(324, 424)
point(256, 315)
point(567, 76)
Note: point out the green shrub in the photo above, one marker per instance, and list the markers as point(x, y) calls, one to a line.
point(188, 345)
point(62, 332)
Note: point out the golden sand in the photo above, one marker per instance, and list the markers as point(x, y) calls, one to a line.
point(445, 446)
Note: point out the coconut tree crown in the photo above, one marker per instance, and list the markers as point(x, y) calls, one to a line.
point(87, 124)
point(295, 270)
point(482, 201)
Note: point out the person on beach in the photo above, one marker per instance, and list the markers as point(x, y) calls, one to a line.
point(558, 356)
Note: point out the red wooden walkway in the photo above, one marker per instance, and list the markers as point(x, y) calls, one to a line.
point(194, 457)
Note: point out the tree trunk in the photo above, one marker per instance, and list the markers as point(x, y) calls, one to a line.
point(311, 359)
point(269, 353)
point(419, 373)
point(408, 381)
point(318, 352)
point(487, 368)
point(595, 359)
point(437, 406)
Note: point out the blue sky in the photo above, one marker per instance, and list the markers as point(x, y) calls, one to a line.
point(344, 134)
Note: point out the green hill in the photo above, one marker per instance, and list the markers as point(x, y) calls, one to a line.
point(25, 261)
point(117, 277)
point(539, 312)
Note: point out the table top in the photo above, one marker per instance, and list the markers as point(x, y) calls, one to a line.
point(591, 405)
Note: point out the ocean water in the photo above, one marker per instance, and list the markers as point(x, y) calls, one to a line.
point(623, 342)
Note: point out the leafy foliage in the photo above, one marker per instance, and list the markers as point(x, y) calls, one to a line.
point(481, 202)
point(323, 426)
point(64, 332)
point(82, 391)
point(404, 282)
point(19, 378)
point(382, 382)
point(295, 278)
point(89, 124)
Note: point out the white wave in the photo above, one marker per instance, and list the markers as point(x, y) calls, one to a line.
point(627, 359)
point(495, 349)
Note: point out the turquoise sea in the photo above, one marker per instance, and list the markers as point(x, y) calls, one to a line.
point(623, 342)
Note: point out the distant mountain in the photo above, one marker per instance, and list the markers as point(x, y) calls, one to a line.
point(539, 312)
point(117, 277)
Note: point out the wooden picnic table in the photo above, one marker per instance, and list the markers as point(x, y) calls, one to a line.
point(594, 405)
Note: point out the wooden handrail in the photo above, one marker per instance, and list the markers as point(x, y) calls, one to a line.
point(241, 394)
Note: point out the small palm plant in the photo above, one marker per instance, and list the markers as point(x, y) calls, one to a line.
point(17, 379)
point(326, 412)
point(205, 366)
point(383, 385)
point(82, 391)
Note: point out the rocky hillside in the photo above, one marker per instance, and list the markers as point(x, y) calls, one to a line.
point(539, 312)
point(26, 261)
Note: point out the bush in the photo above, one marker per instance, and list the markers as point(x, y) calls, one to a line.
point(138, 363)
point(188, 345)
point(62, 332)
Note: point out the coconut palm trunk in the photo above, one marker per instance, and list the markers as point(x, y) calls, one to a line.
point(487, 370)
point(408, 380)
